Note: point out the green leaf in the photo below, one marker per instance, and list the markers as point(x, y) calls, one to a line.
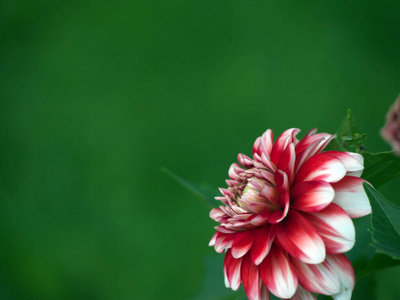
point(385, 224)
point(377, 263)
point(349, 137)
point(334, 145)
point(204, 192)
point(381, 167)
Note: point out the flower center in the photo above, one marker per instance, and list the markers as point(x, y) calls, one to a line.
point(252, 198)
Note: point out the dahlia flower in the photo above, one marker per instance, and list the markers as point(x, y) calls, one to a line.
point(391, 131)
point(286, 216)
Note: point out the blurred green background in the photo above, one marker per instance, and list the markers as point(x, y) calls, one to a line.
point(98, 96)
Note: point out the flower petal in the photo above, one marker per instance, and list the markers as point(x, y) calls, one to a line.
point(300, 238)
point(345, 273)
point(264, 293)
point(302, 294)
point(259, 219)
point(308, 152)
point(223, 241)
point(245, 161)
point(320, 278)
point(234, 171)
point(263, 239)
point(321, 167)
point(350, 195)
point(311, 139)
point(267, 162)
point(217, 214)
point(256, 146)
point(335, 227)
point(214, 237)
point(311, 132)
point(360, 158)
point(282, 141)
point(223, 229)
point(280, 214)
point(242, 243)
point(281, 181)
point(232, 269)
point(286, 163)
point(311, 196)
point(267, 176)
point(278, 274)
point(270, 193)
point(218, 242)
point(264, 144)
point(251, 279)
point(353, 162)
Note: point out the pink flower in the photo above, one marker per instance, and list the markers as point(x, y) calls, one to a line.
point(391, 131)
point(286, 216)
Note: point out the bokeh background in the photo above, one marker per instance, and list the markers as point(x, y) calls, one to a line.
point(98, 96)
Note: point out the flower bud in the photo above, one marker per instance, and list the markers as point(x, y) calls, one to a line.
point(391, 131)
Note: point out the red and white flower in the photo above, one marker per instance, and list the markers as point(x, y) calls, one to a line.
point(391, 131)
point(286, 216)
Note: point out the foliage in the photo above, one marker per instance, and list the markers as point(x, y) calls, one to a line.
point(349, 135)
point(381, 167)
point(385, 225)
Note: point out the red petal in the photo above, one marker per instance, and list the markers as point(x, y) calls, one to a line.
point(311, 196)
point(214, 237)
point(264, 144)
point(309, 140)
point(232, 268)
point(264, 293)
point(345, 272)
point(254, 207)
point(217, 214)
point(286, 163)
point(263, 239)
point(302, 294)
point(259, 219)
point(270, 193)
point(278, 274)
point(223, 229)
point(234, 171)
point(319, 278)
point(281, 181)
point(350, 195)
point(283, 140)
point(280, 214)
point(321, 167)
point(311, 132)
point(267, 176)
point(245, 161)
point(267, 162)
point(218, 241)
point(256, 146)
point(223, 242)
point(335, 227)
point(242, 243)
point(251, 279)
point(353, 162)
point(308, 152)
point(300, 238)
